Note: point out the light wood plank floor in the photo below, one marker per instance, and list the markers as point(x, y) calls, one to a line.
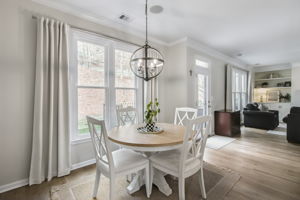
point(268, 165)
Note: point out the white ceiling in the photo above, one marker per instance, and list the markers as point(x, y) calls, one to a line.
point(264, 31)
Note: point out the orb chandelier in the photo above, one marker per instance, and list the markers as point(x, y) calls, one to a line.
point(146, 62)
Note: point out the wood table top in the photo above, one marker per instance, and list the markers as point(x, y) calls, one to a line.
point(128, 135)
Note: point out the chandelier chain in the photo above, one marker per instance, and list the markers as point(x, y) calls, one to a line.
point(146, 13)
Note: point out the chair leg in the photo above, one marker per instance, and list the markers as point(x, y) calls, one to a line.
point(181, 189)
point(202, 185)
point(147, 181)
point(96, 185)
point(151, 177)
point(111, 187)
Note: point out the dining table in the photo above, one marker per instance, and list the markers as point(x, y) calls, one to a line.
point(148, 143)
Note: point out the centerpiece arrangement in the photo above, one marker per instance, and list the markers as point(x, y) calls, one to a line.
point(151, 113)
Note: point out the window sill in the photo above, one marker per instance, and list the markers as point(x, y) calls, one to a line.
point(80, 140)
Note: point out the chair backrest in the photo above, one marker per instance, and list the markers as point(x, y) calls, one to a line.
point(127, 115)
point(184, 114)
point(195, 137)
point(100, 141)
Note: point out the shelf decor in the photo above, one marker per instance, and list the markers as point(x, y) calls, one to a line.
point(284, 98)
point(270, 84)
point(287, 84)
point(273, 96)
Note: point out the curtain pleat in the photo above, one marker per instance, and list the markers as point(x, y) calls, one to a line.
point(51, 138)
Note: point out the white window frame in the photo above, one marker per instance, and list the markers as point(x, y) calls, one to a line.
point(109, 80)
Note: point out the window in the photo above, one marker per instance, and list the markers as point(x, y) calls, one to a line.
point(100, 80)
point(125, 80)
point(91, 85)
point(201, 63)
point(201, 90)
point(239, 89)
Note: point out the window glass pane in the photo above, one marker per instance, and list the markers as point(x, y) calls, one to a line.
point(123, 73)
point(201, 90)
point(244, 82)
point(237, 101)
point(237, 82)
point(201, 63)
point(244, 99)
point(90, 64)
point(125, 97)
point(90, 102)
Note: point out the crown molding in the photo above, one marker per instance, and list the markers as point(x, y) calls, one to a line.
point(179, 41)
point(97, 20)
point(215, 53)
point(262, 68)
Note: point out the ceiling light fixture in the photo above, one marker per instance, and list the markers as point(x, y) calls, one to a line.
point(146, 62)
point(156, 9)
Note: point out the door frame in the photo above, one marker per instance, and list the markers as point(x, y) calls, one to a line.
point(205, 71)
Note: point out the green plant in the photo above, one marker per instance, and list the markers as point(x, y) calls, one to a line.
point(152, 111)
point(286, 97)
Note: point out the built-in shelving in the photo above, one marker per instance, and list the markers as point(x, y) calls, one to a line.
point(269, 84)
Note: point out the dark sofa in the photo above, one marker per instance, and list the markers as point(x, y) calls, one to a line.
point(293, 125)
point(255, 118)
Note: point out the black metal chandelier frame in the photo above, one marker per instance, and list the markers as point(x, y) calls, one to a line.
point(147, 75)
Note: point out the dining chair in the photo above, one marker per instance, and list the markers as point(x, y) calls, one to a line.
point(117, 163)
point(183, 114)
point(128, 115)
point(189, 159)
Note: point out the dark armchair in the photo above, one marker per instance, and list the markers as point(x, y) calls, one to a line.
point(255, 118)
point(293, 125)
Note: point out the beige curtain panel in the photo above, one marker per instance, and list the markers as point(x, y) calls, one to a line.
point(51, 139)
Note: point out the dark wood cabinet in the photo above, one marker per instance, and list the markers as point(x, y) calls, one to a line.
point(227, 123)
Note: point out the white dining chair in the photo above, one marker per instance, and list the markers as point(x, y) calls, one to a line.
point(117, 163)
point(128, 115)
point(189, 159)
point(183, 114)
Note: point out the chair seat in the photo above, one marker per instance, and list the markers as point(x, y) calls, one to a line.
point(124, 160)
point(170, 160)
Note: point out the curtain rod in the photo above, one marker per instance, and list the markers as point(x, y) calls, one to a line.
point(95, 32)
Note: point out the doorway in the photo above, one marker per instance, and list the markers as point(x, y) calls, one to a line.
point(203, 87)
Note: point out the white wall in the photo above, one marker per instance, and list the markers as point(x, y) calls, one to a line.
point(175, 80)
point(295, 84)
point(17, 75)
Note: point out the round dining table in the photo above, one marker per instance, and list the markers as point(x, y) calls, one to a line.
point(128, 137)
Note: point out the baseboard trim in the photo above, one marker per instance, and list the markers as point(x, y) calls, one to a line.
point(24, 182)
point(83, 164)
point(14, 185)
